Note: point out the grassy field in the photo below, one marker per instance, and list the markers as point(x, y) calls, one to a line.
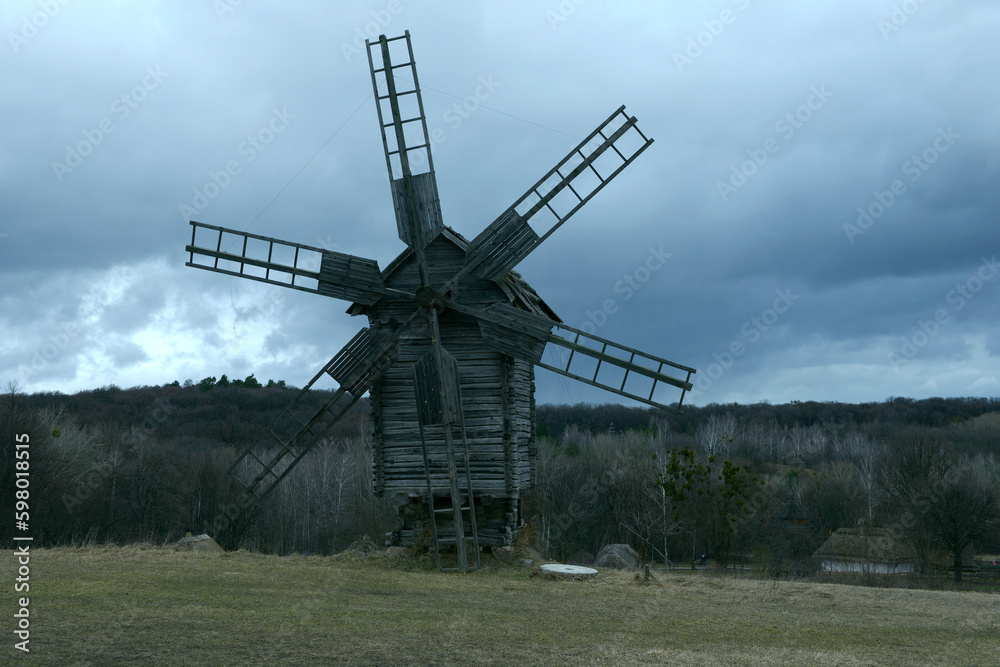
point(151, 605)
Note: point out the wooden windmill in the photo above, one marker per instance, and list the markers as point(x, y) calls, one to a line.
point(454, 334)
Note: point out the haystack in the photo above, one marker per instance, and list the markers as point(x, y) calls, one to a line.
point(201, 543)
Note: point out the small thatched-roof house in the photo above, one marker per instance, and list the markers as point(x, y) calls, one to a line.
point(865, 549)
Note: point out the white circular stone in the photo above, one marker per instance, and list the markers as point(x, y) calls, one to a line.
point(559, 568)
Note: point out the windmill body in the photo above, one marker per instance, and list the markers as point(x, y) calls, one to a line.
point(454, 333)
point(497, 398)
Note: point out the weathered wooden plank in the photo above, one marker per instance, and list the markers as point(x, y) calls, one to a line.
point(425, 202)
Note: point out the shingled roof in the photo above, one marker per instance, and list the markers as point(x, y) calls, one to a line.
point(518, 291)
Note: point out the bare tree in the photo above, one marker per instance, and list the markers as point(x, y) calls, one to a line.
point(718, 435)
point(806, 443)
point(815, 442)
point(775, 443)
point(756, 440)
point(668, 526)
point(74, 452)
point(868, 457)
point(964, 508)
point(910, 466)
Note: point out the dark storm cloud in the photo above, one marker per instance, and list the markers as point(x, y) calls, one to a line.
point(774, 123)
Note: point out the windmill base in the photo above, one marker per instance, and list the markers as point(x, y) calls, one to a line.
point(496, 518)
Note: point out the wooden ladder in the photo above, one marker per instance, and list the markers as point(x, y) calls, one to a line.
point(452, 519)
point(439, 405)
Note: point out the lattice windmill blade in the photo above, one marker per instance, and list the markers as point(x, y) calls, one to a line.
point(600, 362)
point(405, 141)
point(311, 414)
point(562, 192)
point(287, 264)
point(610, 361)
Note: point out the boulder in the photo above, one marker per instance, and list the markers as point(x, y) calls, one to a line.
point(398, 552)
point(502, 554)
point(363, 548)
point(617, 557)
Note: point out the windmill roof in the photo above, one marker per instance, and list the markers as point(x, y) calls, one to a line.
point(513, 285)
point(792, 511)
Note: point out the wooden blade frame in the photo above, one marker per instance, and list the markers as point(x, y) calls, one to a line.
point(337, 274)
point(300, 426)
point(608, 353)
point(414, 195)
point(509, 239)
point(525, 336)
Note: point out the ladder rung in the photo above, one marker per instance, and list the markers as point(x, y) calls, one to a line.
point(408, 120)
point(408, 149)
point(599, 177)
point(451, 539)
point(398, 94)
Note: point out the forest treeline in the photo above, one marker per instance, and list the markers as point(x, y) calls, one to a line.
point(150, 463)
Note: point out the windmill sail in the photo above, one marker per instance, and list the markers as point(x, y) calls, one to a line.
point(568, 186)
point(576, 354)
point(405, 139)
point(612, 361)
point(312, 413)
point(293, 265)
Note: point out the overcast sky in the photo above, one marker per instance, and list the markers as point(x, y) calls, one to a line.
point(824, 179)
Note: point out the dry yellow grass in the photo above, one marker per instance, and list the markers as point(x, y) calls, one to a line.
point(148, 605)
